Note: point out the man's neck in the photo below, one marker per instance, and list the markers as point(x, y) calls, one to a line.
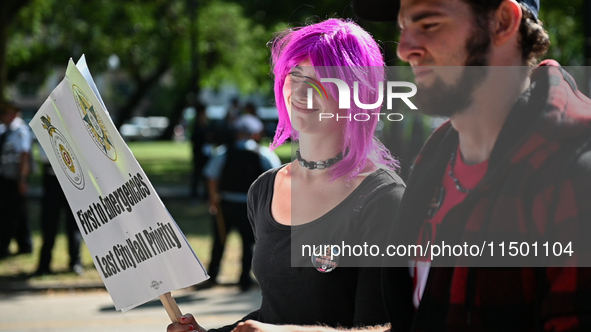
point(480, 124)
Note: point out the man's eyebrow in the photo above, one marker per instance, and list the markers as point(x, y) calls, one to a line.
point(425, 14)
point(420, 16)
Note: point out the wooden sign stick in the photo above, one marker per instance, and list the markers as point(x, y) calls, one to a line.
point(172, 309)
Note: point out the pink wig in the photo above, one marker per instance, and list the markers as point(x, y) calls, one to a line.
point(337, 49)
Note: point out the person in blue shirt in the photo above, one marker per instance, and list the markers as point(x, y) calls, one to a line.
point(15, 164)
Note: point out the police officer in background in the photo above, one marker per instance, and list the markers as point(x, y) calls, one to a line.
point(229, 175)
point(53, 203)
point(15, 165)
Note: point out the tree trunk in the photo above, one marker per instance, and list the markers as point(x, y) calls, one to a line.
point(3, 67)
point(192, 86)
point(142, 88)
point(177, 110)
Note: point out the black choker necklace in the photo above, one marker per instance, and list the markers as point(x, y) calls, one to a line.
point(452, 163)
point(318, 164)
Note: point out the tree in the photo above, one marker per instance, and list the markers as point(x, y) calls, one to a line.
point(167, 49)
point(8, 11)
point(564, 23)
point(230, 49)
point(152, 40)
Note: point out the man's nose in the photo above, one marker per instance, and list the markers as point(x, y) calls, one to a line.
point(409, 47)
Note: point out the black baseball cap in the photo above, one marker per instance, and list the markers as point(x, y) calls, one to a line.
point(387, 10)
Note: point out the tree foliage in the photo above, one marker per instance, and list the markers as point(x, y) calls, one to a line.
point(160, 44)
point(8, 11)
point(564, 22)
point(168, 49)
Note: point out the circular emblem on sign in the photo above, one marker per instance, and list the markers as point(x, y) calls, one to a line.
point(93, 123)
point(67, 159)
point(65, 154)
point(325, 259)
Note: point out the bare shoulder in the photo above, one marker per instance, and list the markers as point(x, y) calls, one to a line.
point(283, 174)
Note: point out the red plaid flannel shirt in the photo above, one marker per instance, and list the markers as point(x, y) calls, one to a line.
point(540, 172)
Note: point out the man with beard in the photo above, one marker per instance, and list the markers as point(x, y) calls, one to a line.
point(513, 161)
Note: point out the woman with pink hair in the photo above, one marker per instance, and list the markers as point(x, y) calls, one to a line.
point(349, 196)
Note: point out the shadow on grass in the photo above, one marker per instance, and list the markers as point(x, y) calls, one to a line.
point(192, 218)
point(194, 298)
point(20, 277)
point(189, 298)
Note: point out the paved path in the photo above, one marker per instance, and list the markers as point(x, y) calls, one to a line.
point(93, 311)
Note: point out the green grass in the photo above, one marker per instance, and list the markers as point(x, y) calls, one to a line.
point(169, 162)
point(165, 163)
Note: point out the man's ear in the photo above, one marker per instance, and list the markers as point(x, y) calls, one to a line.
point(506, 21)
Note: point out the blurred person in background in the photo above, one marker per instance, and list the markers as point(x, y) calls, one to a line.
point(233, 112)
point(201, 146)
point(53, 203)
point(15, 166)
point(222, 130)
point(250, 112)
point(229, 175)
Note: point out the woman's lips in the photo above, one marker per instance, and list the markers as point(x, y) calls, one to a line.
point(302, 109)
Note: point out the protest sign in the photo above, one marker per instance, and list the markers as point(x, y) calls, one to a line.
point(136, 246)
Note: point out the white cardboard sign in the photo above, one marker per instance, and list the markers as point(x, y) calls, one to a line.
point(136, 246)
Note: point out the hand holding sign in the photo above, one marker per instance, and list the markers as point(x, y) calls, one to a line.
point(186, 323)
